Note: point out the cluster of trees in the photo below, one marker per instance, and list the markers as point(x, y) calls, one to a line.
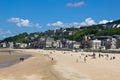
point(108, 32)
point(17, 38)
point(81, 32)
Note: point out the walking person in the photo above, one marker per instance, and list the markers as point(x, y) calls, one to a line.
point(107, 56)
point(9, 52)
point(76, 60)
point(85, 59)
point(99, 55)
point(94, 55)
point(21, 59)
point(52, 59)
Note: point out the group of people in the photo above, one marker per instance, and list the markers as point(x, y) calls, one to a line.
point(22, 59)
point(93, 56)
point(108, 57)
point(100, 55)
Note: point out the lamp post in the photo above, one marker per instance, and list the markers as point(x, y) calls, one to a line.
point(73, 39)
point(63, 42)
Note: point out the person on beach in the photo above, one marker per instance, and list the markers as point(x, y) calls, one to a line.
point(107, 56)
point(9, 52)
point(79, 56)
point(50, 52)
point(113, 57)
point(85, 59)
point(76, 60)
point(94, 55)
point(52, 59)
point(21, 59)
point(63, 52)
point(99, 55)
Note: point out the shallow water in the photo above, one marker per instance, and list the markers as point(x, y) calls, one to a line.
point(6, 64)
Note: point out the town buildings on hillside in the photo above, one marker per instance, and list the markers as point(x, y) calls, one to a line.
point(96, 43)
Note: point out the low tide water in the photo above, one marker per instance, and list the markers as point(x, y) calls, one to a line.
point(6, 64)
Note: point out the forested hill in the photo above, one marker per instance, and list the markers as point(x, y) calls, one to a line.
point(109, 29)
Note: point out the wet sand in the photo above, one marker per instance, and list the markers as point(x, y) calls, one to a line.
point(10, 57)
point(38, 67)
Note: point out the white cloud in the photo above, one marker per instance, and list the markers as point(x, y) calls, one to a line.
point(4, 36)
point(56, 24)
point(3, 32)
point(83, 24)
point(90, 21)
point(87, 22)
point(8, 32)
point(14, 20)
point(105, 21)
point(23, 22)
point(76, 4)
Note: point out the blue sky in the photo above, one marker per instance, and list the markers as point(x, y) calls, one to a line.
point(17, 16)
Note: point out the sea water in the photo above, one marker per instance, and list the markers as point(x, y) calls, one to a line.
point(5, 64)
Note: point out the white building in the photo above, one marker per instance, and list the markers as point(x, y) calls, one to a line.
point(113, 43)
point(76, 46)
point(3, 45)
point(95, 44)
point(49, 42)
point(118, 25)
point(11, 45)
point(57, 44)
point(23, 45)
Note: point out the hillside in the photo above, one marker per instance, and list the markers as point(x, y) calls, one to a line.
point(109, 29)
point(17, 38)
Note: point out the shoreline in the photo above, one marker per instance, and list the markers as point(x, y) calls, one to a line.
point(38, 67)
point(10, 57)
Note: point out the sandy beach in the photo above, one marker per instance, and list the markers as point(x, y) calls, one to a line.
point(38, 67)
point(72, 66)
point(62, 65)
